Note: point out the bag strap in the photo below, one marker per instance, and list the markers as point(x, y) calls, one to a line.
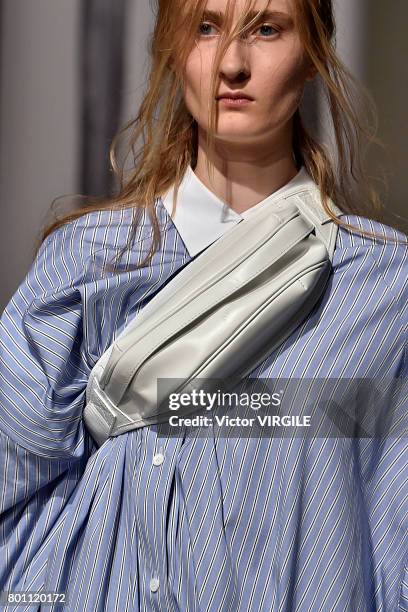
point(310, 206)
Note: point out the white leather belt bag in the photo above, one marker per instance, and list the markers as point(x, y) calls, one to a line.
point(220, 316)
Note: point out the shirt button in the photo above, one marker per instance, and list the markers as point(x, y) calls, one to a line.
point(158, 459)
point(154, 584)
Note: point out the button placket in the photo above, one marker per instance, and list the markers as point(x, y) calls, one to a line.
point(151, 513)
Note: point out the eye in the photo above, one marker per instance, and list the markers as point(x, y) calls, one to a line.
point(267, 26)
point(204, 28)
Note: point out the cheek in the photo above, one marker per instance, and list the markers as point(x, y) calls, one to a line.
point(284, 85)
point(197, 74)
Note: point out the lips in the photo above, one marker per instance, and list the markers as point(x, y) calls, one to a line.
point(234, 96)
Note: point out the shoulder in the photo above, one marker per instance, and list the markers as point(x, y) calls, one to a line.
point(350, 238)
point(384, 258)
point(70, 265)
point(94, 231)
point(365, 312)
point(95, 238)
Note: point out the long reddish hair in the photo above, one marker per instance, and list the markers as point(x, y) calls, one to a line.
point(169, 132)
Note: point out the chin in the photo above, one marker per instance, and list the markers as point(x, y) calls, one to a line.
point(237, 136)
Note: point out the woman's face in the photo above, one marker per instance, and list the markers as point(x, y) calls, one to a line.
point(266, 63)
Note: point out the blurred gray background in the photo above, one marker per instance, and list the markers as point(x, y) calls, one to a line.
point(72, 72)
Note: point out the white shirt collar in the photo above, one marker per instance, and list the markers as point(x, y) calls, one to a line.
point(201, 217)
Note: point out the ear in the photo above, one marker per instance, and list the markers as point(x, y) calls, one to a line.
point(311, 73)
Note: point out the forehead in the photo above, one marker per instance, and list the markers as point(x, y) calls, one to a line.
point(285, 6)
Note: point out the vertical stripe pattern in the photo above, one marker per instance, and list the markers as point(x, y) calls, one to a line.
point(217, 524)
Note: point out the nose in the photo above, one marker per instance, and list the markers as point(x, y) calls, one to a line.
point(235, 62)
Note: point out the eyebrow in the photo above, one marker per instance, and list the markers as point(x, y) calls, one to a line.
point(217, 16)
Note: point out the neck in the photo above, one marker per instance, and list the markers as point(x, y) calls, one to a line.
point(245, 174)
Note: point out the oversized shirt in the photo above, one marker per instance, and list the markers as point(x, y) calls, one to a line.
point(196, 524)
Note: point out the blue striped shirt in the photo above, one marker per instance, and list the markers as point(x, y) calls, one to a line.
point(196, 524)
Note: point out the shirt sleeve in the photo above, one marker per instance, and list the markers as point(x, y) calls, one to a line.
point(382, 461)
point(61, 319)
point(65, 314)
point(44, 368)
